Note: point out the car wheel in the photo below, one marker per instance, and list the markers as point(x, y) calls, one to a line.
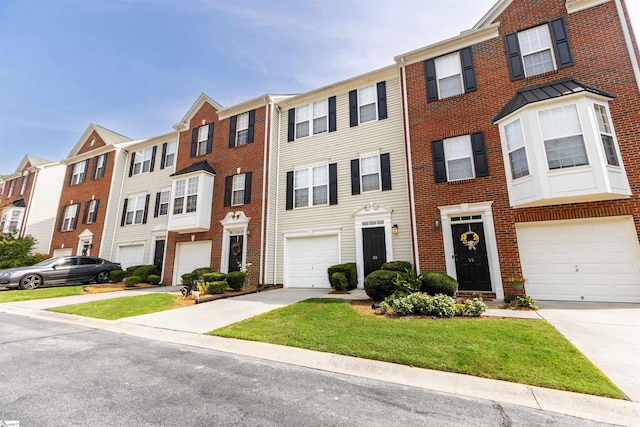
point(103, 277)
point(30, 281)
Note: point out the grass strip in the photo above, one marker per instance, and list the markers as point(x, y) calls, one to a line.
point(118, 308)
point(41, 293)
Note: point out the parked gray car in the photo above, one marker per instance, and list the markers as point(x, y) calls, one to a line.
point(64, 270)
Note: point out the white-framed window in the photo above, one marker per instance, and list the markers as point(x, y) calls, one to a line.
point(92, 211)
point(368, 103)
point(237, 190)
point(536, 50)
point(312, 118)
point(320, 116)
point(135, 210)
point(100, 166)
point(516, 149)
point(163, 205)
point(79, 173)
point(25, 180)
point(142, 162)
point(185, 198)
point(242, 129)
point(449, 72)
point(14, 220)
point(459, 158)
point(562, 136)
point(170, 154)
point(370, 173)
point(12, 185)
point(311, 186)
point(302, 121)
point(203, 136)
point(70, 214)
point(606, 134)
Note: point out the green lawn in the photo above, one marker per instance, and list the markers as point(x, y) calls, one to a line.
point(523, 351)
point(117, 308)
point(25, 295)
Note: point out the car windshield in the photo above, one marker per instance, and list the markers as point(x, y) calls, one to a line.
point(47, 262)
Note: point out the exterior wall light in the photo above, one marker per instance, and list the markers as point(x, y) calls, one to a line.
point(394, 229)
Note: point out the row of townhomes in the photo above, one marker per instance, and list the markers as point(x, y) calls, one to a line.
point(509, 150)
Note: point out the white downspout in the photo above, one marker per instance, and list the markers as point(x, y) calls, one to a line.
point(119, 199)
point(627, 39)
point(275, 233)
point(410, 167)
point(265, 167)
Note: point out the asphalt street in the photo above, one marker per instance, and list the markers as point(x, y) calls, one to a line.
point(60, 374)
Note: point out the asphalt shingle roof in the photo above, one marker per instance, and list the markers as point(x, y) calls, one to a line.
point(196, 167)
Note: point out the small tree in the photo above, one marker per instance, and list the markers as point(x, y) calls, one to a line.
point(16, 251)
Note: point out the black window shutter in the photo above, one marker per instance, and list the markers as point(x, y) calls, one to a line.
point(332, 114)
point(61, 219)
point(69, 175)
point(75, 218)
point(289, 190)
point(86, 212)
point(333, 183)
point(385, 169)
point(291, 128)
point(252, 125)
point(353, 108)
point(247, 187)
point(94, 167)
point(133, 160)
point(124, 212)
point(564, 57)
point(430, 80)
point(382, 100)
point(86, 170)
point(194, 142)
point(164, 154)
point(439, 166)
point(146, 209)
point(156, 209)
point(210, 139)
point(468, 72)
point(153, 158)
point(479, 154)
point(232, 131)
point(228, 183)
point(355, 177)
point(516, 68)
point(104, 165)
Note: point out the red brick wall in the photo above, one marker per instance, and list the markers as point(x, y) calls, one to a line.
point(601, 60)
point(17, 196)
point(225, 161)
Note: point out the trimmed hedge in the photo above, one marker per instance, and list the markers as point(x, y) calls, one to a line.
point(117, 275)
point(401, 266)
point(434, 283)
point(216, 287)
point(144, 271)
point(349, 270)
point(188, 278)
point(131, 281)
point(153, 279)
point(214, 277)
point(380, 284)
point(236, 279)
point(339, 281)
point(131, 269)
point(202, 271)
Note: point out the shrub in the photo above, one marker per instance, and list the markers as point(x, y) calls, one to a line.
point(401, 266)
point(153, 279)
point(39, 257)
point(188, 278)
point(406, 284)
point(349, 270)
point(216, 287)
point(434, 283)
point(380, 284)
point(117, 275)
point(339, 281)
point(132, 269)
point(526, 302)
point(144, 271)
point(509, 298)
point(473, 308)
point(236, 279)
point(199, 272)
point(16, 251)
point(202, 288)
point(214, 276)
point(421, 304)
point(131, 281)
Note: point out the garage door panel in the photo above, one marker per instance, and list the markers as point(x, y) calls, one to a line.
point(308, 259)
point(189, 256)
point(130, 255)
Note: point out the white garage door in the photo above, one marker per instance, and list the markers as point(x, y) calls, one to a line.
point(61, 252)
point(130, 255)
point(581, 260)
point(189, 256)
point(308, 259)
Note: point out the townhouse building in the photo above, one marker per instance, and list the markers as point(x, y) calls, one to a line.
point(341, 190)
point(523, 151)
point(32, 193)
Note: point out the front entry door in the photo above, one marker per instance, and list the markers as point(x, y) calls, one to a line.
point(472, 267)
point(375, 249)
point(235, 253)
point(158, 255)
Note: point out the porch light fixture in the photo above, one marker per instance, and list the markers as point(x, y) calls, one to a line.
point(436, 223)
point(394, 229)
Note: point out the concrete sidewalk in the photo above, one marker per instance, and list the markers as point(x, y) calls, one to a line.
point(186, 325)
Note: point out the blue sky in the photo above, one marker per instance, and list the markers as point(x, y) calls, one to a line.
point(136, 66)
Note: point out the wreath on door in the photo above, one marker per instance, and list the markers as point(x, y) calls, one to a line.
point(470, 239)
point(236, 249)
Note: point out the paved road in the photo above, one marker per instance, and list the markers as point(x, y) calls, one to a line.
point(60, 374)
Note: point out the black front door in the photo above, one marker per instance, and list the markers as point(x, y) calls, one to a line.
point(235, 253)
point(158, 255)
point(375, 249)
point(470, 250)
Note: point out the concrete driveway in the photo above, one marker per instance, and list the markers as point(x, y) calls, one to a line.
point(607, 333)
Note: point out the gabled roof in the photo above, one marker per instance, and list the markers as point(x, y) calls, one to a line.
point(196, 167)
point(32, 161)
point(194, 109)
point(108, 136)
point(493, 13)
point(547, 91)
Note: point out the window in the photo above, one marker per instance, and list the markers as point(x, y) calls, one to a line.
point(92, 211)
point(367, 103)
point(237, 189)
point(606, 135)
point(237, 196)
point(135, 208)
point(12, 185)
point(312, 116)
point(449, 75)
point(185, 195)
point(99, 166)
point(535, 48)
point(320, 116)
point(15, 220)
point(142, 161)
point(516, 150)
point(25, 180)
point(242, 131)
point(201, 140)
point(460, 157)
point(203, 132)
point(168, 154)
point(162, 202)
point(562, 135)
point(457, 152)
point(302, 121)
point(79, 173)
point(311, 186)
point(70, 217)
point(370, 173)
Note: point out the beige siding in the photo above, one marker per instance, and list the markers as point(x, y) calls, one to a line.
point(271, 211)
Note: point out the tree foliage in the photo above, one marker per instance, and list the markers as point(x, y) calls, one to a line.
point(16, 251)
